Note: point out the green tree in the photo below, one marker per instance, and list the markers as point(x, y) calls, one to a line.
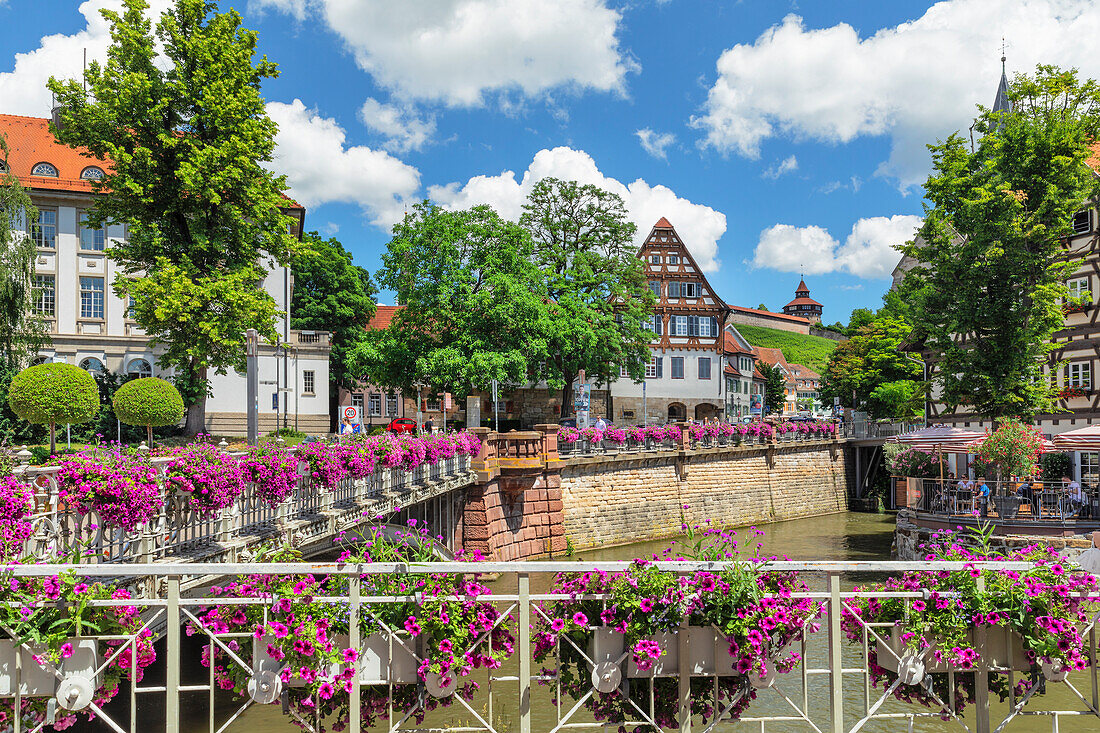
point(991, 241)
point(775, 387)
point(148, 402)
point(870, 372)
point(179, 115)
point(600, 303)
point(21, 333)
point(52, 394)
point(332, 294)
point(475, 307)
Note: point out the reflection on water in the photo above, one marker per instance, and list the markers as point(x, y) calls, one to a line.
point(847, 536)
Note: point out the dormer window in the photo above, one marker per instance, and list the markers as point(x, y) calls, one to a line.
point(92, 173)
point(1082, 221)
point(46, 170)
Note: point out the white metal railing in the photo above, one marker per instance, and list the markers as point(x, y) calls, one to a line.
point(829, 689)
point(870, 429)
point(62, 532)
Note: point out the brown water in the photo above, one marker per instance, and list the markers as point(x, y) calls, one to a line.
point(846, 536)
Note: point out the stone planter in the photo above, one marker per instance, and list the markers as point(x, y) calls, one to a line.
point(35, 680)
point(1004, 649)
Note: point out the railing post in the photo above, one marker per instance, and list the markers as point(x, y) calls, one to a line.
point(836, 657)
point(354, 601)
point(683, 709)
point(172, 673)
point(981, 675)
point(524, 592)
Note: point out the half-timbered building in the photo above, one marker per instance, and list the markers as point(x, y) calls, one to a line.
point(684, 378)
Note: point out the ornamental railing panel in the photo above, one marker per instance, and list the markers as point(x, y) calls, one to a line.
point(178, 530)
point(849, 674)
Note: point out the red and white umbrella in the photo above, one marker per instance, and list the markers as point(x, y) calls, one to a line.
point(976, 445)
point(1084, 439)
point(941, 437)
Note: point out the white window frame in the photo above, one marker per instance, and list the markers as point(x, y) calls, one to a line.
point(374, 402)
point(309, 382)
point(652, 370)
point(44, 287)
point(91, 297)
point(98, 236)
point(392, 404)
point(1078, 286)
point(44, 233)
point(678, 326)
point(1079, 374)
point(357, 401)
point(1087, 221)
point(691, 289)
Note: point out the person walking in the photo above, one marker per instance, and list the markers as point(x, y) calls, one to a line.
point(983, 497)
point(601, 424)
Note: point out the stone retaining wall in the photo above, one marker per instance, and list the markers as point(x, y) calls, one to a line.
point(617, 499)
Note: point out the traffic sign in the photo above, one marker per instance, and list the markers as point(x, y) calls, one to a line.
point(351, 414)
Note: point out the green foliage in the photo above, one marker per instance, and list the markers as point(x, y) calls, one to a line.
point(179, 113)
point(148, 402)
point(797, 348)
point(54, 393)
point(21, 332)
point(13, 429)
point(913, 463)
point(332, 294)
point(871, 365)
point(775, 387)
point(475, 305)
point(1056, 465)
point(599, 300)
point(991, 240)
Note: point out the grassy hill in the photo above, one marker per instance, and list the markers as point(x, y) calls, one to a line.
point(812, 351)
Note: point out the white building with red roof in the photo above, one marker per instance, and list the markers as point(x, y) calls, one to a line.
point(90, 327)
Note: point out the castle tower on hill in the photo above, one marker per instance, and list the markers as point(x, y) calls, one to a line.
point(803, 305)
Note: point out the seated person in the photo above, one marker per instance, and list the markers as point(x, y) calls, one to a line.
point(1076, 495)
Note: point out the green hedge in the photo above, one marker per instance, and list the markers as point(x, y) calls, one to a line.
point(149, 402)
point(54, 394)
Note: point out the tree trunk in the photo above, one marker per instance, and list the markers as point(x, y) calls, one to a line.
point(567, 397)
point(53, 438)
point(149, 435)
point(196, 413)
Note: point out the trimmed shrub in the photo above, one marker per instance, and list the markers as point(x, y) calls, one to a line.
point(149, 402)
point(52, 394)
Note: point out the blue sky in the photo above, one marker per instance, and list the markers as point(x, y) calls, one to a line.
point(776, 136)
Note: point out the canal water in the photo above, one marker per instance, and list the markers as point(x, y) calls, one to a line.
point(845, 536)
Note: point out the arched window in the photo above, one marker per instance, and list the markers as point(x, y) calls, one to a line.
point(3, 166)
point(92, 173)
point(44, 169)
point(39, 360)
point(91, 364)
point(139, 368)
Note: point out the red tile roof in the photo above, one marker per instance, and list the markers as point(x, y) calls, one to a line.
point(803, 301)
point(730, 345)
point(804, 372)
point(662, 223)
point(383, 316)
point(769, 355)
point(780, 316)
point(802, 286)
point(31, 142)
point(1093, 160)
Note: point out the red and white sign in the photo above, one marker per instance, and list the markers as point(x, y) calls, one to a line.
point(351, 414)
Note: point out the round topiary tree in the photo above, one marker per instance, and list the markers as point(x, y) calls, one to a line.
point(52, 394)
point(150, 402)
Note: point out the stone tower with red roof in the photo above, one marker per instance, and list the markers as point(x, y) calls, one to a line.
point(803, 305)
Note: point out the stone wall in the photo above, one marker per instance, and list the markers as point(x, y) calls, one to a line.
point(609, 500)
point(751, 317)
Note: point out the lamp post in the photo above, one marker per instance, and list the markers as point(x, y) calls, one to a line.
point(251, 351)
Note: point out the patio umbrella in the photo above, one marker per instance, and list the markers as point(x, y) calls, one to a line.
point(1084, 439)
point(938, 437)
point(975, 445)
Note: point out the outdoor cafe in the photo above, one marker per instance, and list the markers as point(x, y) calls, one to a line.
point(960, 491)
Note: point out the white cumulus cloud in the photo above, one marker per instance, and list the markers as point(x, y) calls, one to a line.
point(698, 225)
point(458, 51)
point(321, 168)
point(23, 89)
point(867, 252)
point(916, 82)
point(655, 143)
point(403, 129)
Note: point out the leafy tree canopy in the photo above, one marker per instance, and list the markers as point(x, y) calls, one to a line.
point(179, 115)
point(775, 387)
point(48, 394)
point(475, 304)
point(599, 300)
point(871, 366)
point(332, 294)
point(991, 240)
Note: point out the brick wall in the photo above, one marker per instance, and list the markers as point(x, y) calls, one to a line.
point(612, 500)
point(514, 518)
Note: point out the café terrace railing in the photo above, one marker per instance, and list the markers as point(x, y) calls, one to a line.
point(1045, 503)
point(829, 689)
point(178, 533)
point(684, 441)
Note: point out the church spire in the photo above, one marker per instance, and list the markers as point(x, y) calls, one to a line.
point(1002, 103)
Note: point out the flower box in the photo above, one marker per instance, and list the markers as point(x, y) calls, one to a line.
point(1004, 649)
point(38, 681)
point(380, 663)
